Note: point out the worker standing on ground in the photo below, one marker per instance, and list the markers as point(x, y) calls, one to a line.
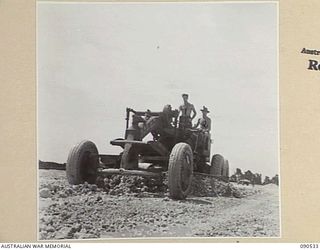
point(185, 110)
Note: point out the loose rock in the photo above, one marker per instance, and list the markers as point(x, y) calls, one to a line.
point(45, 193)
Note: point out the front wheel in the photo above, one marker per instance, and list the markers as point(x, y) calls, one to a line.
point(180, 171)
point(82, 163)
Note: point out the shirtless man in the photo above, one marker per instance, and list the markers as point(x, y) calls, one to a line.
point(185, 110)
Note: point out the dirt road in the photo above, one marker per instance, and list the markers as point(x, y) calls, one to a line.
point(89, 212)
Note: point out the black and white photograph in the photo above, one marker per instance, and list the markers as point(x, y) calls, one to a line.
point(158, 120)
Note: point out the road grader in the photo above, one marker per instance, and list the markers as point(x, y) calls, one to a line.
point(175, 149)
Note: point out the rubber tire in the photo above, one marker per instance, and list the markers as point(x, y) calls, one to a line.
point(129, 158)
point(226, 169)
point(80, 168)
point(217, 163)
point(178, 188)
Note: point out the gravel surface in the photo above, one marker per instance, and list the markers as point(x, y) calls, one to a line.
point(136, 207)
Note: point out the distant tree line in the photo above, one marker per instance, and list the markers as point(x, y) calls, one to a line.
point(51, 165)
point(254, 178)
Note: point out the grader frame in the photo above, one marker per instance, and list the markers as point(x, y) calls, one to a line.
point(176, 149)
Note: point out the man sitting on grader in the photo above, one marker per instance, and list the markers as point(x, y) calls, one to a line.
point(205, 121)
point(205, 127)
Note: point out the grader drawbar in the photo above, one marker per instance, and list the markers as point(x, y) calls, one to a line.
point(176, 150)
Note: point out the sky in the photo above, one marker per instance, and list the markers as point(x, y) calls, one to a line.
point(94, 60)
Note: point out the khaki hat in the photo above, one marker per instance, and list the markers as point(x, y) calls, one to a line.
point(205, 109)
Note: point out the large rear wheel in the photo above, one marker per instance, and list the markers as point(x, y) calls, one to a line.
point(180, 171)
point(82, 163)
point(226, 169)
point(217, 163)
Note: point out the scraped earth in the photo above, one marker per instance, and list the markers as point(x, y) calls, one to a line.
point(136, 207)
